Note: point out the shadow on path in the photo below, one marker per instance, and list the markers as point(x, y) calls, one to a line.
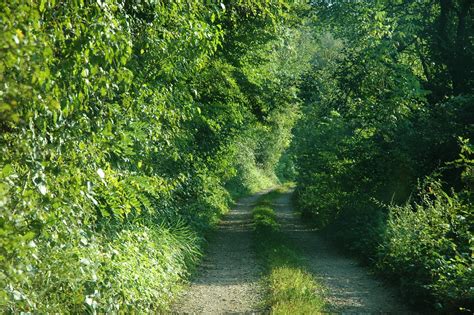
point(227, 280)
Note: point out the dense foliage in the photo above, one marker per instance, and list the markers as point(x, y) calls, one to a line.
point(126, 127)
point(122, 123)
point(382, 147)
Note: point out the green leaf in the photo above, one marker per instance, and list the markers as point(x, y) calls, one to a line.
point(7, 170)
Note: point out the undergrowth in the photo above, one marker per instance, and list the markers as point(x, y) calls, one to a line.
point(291, 288)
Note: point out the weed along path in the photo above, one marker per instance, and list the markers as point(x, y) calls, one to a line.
point(228, 279)
point(349, 287)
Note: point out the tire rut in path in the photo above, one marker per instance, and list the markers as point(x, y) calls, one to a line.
point(227, 280)
point(350, 288)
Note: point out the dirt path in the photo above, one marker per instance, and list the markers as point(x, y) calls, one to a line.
point(228, 278)
point(350, 287)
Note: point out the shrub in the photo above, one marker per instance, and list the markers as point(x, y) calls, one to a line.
point(428, 246)
point(136, 268)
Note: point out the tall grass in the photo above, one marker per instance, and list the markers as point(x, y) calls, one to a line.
point(136, 269)
point(291, 288)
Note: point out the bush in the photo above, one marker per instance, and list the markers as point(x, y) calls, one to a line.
point(428, 247)
point(137, 268)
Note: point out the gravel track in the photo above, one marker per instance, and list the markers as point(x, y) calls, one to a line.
point(350, 288)
point(227, 280)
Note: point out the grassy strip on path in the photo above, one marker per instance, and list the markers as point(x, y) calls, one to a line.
point(291, 288)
